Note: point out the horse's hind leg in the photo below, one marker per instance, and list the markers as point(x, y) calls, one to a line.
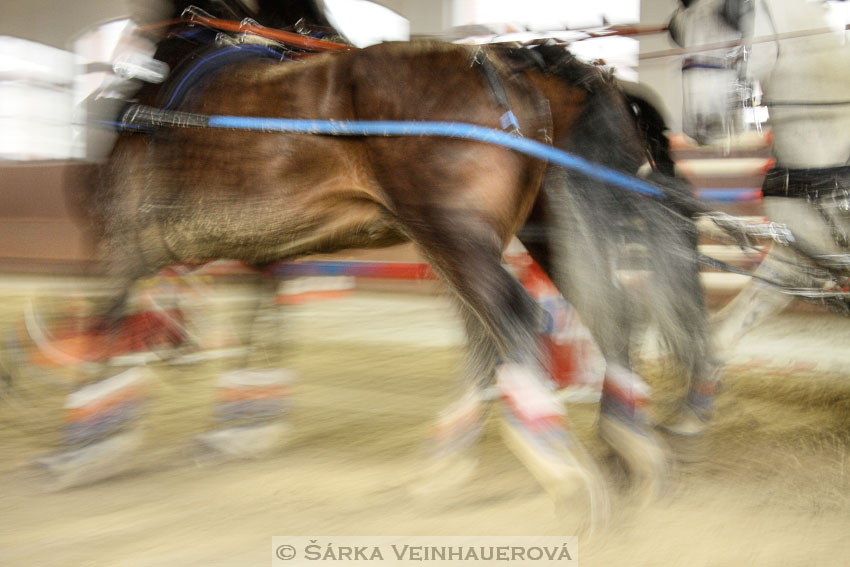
point(459, 426)
point(582, 270)
point(466, 251)
point(624, 421)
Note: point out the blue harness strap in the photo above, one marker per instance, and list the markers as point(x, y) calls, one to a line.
point(143, 116)
point(189, 74)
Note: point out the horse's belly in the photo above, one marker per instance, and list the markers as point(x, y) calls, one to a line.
point(294, 196)
point(264, 231)
point(800, 142)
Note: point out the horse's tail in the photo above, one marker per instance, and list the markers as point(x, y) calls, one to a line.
point(605, 239)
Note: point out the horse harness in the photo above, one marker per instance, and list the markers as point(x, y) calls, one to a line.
point(826, 189)
point(508, 120)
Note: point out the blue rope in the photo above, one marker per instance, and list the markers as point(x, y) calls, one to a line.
point(142, 116)
point(445, 129)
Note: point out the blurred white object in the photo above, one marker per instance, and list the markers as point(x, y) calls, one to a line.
point(36, 101)
point(112, 62)
point(366, 23)
point(140, 66)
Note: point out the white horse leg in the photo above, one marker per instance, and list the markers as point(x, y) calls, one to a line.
point(756, 302)
point(754, 305)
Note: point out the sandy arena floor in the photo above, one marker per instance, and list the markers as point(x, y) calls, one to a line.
point(374, 369)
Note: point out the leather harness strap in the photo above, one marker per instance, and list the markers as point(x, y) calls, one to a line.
point(826, 189)
point(811, 183)
point(508, 120)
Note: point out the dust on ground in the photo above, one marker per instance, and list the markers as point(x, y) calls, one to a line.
point(773, 487)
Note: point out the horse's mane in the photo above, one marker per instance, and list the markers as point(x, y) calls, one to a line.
point(559, 61)
point(562, 63)
point(605, 108)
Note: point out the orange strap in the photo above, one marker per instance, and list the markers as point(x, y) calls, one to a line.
point(288, 38)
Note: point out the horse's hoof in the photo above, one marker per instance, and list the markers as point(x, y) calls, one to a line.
point(561, 465)
point(450, 441)
point(643, 453)
point(90, 463)
point(685, 423)
point(457, 427)
point(686, 433)
point(239, 443)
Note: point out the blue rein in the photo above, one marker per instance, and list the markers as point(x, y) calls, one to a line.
point(141, 117)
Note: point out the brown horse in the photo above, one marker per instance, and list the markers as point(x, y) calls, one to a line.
point(192, 194)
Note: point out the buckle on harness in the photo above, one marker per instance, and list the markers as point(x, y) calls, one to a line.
point(509, 122)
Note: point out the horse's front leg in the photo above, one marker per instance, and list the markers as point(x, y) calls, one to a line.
point(758, 300)
point(101, 431)
point(252, 402)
